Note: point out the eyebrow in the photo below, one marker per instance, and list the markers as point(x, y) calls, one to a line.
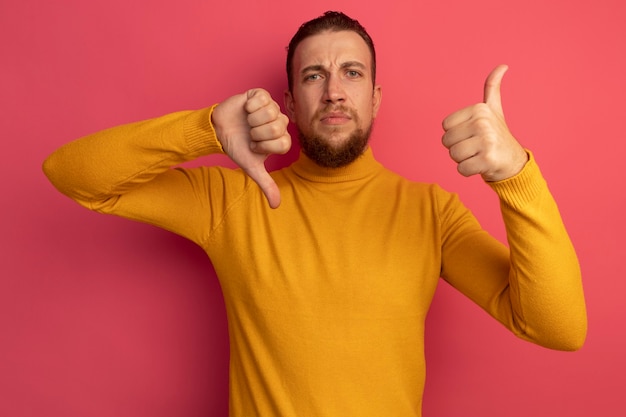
point(347, 64)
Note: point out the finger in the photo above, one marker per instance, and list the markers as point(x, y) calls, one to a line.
point(264, 180)
point(278, 146)
point(256, 99)
point(270, 130)
point(492, 95)
point(470, 166)
point(457, 118)
point(457, 134)
point(266, 114)
point(464, 150)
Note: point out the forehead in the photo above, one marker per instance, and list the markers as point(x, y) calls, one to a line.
point(328, 48)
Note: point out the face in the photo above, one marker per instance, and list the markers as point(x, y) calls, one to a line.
point(333, 101)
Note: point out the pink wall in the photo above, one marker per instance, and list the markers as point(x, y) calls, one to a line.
point(104, 317)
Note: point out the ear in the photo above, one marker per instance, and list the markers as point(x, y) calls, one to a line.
point(290, 105)
point(376, 99)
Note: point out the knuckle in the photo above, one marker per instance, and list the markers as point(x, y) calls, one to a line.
point(257, 100)
point(452, 151)
point(482, 108)
point(481, 111)
point(483, 122)
point(490, 157)
point(275, 130)
point(271, 110)
point(285, 144)
point(252, 119)
point(255, 134)
point(444, 139)
point(262, 96)
point(462, 169)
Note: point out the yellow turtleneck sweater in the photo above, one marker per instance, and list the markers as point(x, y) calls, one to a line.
point(327, 295)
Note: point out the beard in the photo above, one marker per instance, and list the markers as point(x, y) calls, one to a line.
point(329, 155)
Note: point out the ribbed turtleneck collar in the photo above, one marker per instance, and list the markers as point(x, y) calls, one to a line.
point(364, 166)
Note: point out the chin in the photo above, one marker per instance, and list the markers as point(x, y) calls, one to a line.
point(334, 150)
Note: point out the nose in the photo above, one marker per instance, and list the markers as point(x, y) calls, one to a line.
point(334, 90)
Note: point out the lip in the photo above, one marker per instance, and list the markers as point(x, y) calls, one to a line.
point(335, 118)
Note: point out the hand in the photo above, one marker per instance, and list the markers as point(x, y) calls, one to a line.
point(479, 139)
point(250, 127)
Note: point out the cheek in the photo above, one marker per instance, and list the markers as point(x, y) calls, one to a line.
point(300, 118)
point(362, 101)
point(303, 110)
point(366, 109)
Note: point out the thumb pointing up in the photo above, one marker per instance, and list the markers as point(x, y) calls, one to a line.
point(492, 89)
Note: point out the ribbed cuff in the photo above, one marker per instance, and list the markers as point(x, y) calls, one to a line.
point(522, 188)
point(200, 134)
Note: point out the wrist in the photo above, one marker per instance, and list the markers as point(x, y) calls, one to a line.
point(200, 132)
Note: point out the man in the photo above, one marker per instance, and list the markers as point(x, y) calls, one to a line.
point(328, 266)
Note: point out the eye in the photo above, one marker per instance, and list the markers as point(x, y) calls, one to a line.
point(312, 77)
point(353, 74)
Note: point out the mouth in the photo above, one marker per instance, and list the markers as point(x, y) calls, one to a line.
point(335, 118)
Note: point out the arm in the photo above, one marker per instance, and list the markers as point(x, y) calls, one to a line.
point(127, 170)
point(534, 287)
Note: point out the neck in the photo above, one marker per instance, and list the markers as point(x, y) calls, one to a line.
point(363, 166)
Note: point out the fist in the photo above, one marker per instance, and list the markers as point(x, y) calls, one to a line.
point(478, 138)
point(250, 127)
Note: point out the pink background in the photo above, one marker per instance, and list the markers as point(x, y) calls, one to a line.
point(105, 317)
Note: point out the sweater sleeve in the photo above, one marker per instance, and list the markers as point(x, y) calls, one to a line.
point(534, 286)
point(130, 171)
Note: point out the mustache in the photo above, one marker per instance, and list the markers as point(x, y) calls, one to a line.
point(335, 109)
